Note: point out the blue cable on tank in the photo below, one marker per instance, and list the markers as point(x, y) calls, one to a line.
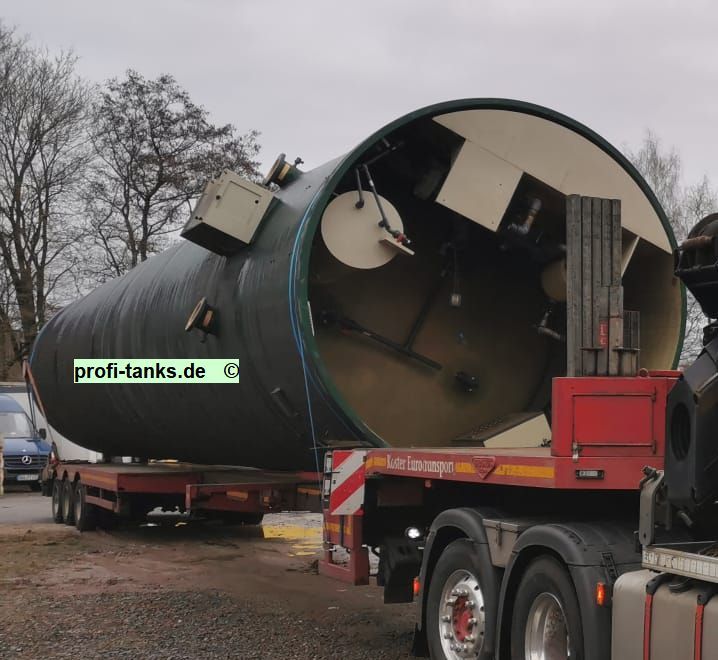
point(294, 322)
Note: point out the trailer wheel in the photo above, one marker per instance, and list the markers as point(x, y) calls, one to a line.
point(546, 622)
point(68, 502)
point(456, 614)
point(57, 491)
point(85, 514)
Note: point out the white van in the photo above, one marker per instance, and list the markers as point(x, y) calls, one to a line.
point(66, 450)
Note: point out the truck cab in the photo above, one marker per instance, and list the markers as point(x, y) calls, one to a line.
point(25, 450)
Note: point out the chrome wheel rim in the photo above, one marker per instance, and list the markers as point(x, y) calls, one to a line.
point(66, 502)
point(78, 505)
point(56, 501)
point(547, 630)
point(461, 616)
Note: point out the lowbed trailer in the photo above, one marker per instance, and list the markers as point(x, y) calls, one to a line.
point(90, 494)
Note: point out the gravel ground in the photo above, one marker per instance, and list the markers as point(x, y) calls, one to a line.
point(190, 625)
point(186, 592)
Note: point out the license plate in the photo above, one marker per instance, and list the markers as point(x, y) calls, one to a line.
point(28, 477)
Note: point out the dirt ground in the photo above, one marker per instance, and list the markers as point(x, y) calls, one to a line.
point(185, 591)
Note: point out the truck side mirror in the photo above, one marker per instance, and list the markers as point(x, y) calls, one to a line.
point(42, 433)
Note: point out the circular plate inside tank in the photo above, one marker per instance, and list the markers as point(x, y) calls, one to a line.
point(354, 236)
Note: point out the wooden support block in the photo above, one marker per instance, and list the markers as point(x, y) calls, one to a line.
point(615, 330)
point(594, 295)
point(573, 285)
point(603, 332)
point(631, 341)
point(588, 356)
point(599, 298)
point(401, 249)
point(617, 258)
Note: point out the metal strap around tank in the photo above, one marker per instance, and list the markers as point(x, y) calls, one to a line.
point(651, 588)
point(703, 599)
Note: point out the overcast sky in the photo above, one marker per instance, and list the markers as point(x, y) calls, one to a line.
point(315, 77)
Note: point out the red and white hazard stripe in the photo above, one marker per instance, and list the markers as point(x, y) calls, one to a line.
point(346, 497)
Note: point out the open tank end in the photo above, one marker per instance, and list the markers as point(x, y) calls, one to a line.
point(437, 276)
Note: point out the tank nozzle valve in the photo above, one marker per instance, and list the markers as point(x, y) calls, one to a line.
point(204, 318)
point(468, 382)
point(524, 227)
point(544, 328)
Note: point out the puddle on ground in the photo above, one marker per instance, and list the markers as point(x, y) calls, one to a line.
point(304, 540)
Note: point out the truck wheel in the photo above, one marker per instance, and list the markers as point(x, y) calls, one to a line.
point(85, 514)
point(68, 502)
point(57, 492)
point(456, 613)
point(546, 621)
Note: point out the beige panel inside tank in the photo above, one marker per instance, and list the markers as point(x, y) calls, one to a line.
point(534, 430)
point(557, 156)
point(480, 185)
point(650, 288)
point(630, 243)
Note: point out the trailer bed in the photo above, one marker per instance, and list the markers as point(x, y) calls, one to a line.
point(537, 467)
point(189, 487)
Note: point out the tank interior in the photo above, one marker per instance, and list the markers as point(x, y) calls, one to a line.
point(452, 337)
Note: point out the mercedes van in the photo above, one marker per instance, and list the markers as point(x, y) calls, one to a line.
point(25, 450)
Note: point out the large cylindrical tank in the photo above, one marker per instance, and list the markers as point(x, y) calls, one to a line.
point(345, 337)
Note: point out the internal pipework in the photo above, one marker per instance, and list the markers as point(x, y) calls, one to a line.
point(437, 276)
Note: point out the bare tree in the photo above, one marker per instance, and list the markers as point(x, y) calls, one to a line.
point(154, 150)
point(663, 170)
point(43, 109)
point(10, 344)
point(684, 205)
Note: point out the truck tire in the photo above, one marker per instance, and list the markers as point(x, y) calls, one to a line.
point(57, 493)
point(546, 620)
point(85, 513)
point(456, 605)
point(68, 502)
